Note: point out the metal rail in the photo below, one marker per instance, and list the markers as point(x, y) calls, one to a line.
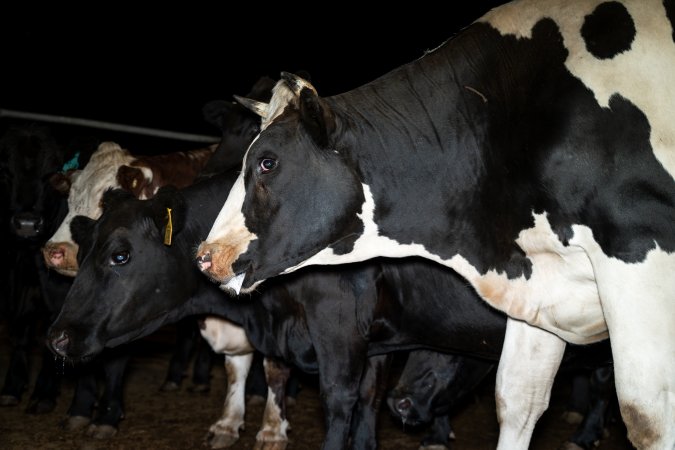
point(108, 126)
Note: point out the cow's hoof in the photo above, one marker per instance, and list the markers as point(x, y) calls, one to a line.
point(101, 432)
point(570, 446)
point(200, 388)
point(433, 447)
point(43, 406)
point(169, 386)
point(221, 440)
point(76, 423)
point(270, 445)
point(8, 400)
point(572, 417)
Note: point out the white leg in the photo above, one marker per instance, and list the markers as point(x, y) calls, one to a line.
point(225, 431)
point(527, 367)
point(272, 434)
point(638, 301)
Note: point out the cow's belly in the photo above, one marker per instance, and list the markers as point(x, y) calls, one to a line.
point(560, 296)
point(224, 337)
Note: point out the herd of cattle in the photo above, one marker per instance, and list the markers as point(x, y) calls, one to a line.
point(509, 192)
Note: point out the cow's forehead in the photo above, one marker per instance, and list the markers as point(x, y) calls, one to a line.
point(628, 52)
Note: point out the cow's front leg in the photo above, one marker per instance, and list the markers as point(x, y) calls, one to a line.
point(527, 367)
point(272, 434)
point(372, 389)
point(225, 432)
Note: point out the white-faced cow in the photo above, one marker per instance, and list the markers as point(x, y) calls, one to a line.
point(534, 153)
point(111, 166)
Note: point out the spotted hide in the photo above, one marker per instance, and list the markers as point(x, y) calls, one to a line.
point(534, 153)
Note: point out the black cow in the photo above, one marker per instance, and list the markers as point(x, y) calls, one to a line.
point(326, 320)
point(432, 384)
point(533, 153)
point(30, 210)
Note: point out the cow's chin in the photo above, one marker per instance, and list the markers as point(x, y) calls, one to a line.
point(68, 272)
point(84, 353)
point(241, 283)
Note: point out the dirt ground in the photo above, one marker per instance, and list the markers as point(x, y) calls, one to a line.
point(180, 420)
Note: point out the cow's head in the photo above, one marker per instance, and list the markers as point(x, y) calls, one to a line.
point(29, 156)
point(85, 189)
point(129, 277)
point(238, 126)
point(432, 383)
point(297, 193)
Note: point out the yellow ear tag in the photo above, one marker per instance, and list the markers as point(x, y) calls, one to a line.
point(168, 232)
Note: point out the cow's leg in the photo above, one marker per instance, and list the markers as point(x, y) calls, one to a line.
point(440, 435)
point(54, 289)
point(638, 302)
point(527, 367)
point(186, 338)
point(591, 429)
point(272, 434)
point(341, 366)
point(21, 330)
point(111, 406)
point(256, 385)
point(225, 432)
point(372, 389)
point(578, 402)
point(201, 369)
point(84, 400)
point(47, 384)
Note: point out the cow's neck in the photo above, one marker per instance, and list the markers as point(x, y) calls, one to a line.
point(422, 135)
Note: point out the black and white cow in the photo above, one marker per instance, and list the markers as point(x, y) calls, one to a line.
point(534, 153)
point(323, 320)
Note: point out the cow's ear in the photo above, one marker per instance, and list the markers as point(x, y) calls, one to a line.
point(315, 114)
point(262, 89)
point(215, 111)
point(82, 230)
point(168, 212)
point(131, 179)
point(113, 196)
point(62, 181)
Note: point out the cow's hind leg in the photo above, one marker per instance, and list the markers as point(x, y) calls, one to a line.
point(272, 434)
point(225, 432)
point(527, 367)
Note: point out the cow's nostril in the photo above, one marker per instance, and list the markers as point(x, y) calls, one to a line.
point(60, 343)
point(404, 405)
point(204, 261)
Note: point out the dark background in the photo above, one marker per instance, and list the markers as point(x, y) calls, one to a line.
point(157, 68)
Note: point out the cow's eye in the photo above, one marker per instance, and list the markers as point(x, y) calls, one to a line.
point(267, 165)
point(119, 258)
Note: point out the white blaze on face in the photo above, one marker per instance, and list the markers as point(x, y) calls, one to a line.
point(643, 74)
point(230, 219)
point(86, 192)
